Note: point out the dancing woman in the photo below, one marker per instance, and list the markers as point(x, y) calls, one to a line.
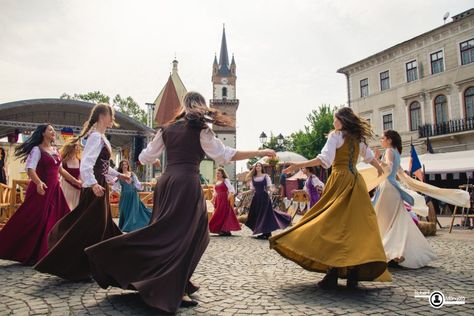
point(223, 220)
point(339, 235)
point(91, 221)
point(133, 213)
point(25, 236)
point(71, 160)
point(159, 260)
point(262, 218)
point(313, 186)
point(402, 240)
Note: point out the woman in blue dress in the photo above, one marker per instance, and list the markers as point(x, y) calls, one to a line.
point(133, 213)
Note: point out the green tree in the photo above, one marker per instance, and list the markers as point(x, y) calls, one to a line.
point(129, 107)
point(126, 106)
point(309, 141)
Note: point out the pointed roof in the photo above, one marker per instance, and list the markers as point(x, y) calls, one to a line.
point(215, 60)
point(233, 60)
point(169, 101)
point(224, 57)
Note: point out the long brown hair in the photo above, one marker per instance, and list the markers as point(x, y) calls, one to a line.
point(353, 125)
point(196, 110)
point(120, 166)
point(97, 110)
point(395, 139)
point(253, 172)
point(223, 172)
point(68, 151)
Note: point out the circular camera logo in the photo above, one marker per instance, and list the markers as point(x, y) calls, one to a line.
point(436, 299)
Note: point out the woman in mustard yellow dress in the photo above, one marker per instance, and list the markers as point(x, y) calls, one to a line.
point(339, 235)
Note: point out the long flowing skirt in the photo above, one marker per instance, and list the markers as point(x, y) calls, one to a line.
point(223, 219)
point(262, 218)
point(340, 231)
point(89, 223)
point(401, 237)
point(133, 213)
point(25, 236)
point(71, 194)
point(159, 260)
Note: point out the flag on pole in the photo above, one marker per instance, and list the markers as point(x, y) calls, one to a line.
point(415, 166)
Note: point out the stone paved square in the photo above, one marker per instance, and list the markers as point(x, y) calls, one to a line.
point(240, 275)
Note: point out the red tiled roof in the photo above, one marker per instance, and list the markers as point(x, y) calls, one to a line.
point(169, 105)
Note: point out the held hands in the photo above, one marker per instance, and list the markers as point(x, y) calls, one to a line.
point(98, 190)
point(267, 152)
point(41, 188)
point(78, 183)
point(157, 163)
point(293, 167)
point(379, 171)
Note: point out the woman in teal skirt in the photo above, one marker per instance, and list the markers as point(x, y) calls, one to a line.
point(133, 213)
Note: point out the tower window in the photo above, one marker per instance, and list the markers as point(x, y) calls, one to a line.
point(224, 92)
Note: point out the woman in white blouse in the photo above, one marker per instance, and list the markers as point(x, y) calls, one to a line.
point(133, 213)
point(339, 235)
point(25, 236)
point(165, 253)
point(223, 220)
point(262, 218)
point(91, 221)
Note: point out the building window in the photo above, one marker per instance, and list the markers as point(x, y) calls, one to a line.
point(412, 71)
point(224, 92)
point(364, 88)
point(467, 52)
point(387, 121)
point(469, 102)
point(441, 109)
point(384, 80)
point(437, 62)
point(415, 115)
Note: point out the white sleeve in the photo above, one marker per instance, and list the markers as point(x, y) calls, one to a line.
point(269, 181)
point(328, 153)
point(89, 157)
point(251, 185)
point(136, 182)
point(229, 186)
point(153, 150)
point(317, 182)
point(366, 153)
point(33, 158)
point(117, 187)
point(112, 172)
point(214, 148)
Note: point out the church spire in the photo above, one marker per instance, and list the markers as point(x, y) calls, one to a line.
point(224, 56)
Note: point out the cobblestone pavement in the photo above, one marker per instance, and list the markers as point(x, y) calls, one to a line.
point(240, 275)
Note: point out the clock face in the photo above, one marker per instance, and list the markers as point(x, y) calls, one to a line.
point(224, 80)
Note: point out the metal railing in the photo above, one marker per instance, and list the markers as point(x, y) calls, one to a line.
point(449, 127)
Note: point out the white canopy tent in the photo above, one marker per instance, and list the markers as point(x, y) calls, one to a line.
point(284, 156)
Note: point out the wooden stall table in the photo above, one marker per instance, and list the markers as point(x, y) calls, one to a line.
point(5, 200)
point(300, 197)
point(17, 197)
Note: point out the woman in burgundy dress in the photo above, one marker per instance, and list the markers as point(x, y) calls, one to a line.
point(91, 221)
point(70, 154)
point(159, 260)
point(223, 220)
point(262, 218)
point(25, 236)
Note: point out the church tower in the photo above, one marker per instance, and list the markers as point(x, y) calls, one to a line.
point(224, 99)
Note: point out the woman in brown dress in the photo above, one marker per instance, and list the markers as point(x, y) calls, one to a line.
point(91, 221)
point(159, 260)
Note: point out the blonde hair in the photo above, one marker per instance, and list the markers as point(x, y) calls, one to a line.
point(97, 110)
point(68, 151)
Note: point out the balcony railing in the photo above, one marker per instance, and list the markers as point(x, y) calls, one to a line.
point(449, 127)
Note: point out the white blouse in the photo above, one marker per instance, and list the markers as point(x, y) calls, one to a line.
point(265, 177)
point(117, 187)
point(95, 142)
point(229, 185)
point(34, 157)
point(212, 146)
point(335, 141)
point(316, 182)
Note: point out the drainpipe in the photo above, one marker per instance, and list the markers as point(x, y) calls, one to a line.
point(348, 90)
